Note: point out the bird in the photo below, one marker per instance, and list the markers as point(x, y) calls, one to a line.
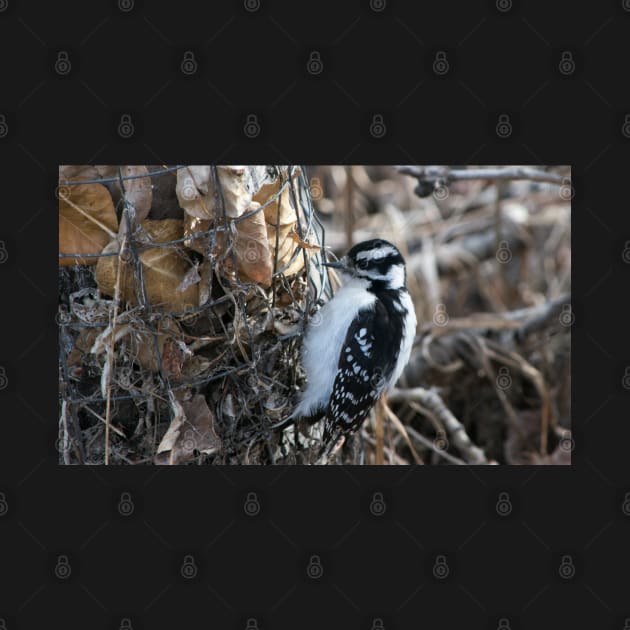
point(357, 344)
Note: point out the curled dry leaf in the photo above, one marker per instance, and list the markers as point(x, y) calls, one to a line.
point(192, 277)
point(69, 172)
point(303, 244)
point(191, 431)
point(142, 348)
point(281, 217)
point(86, 171)
point(244, 188)
point(192, 191)
point(197, 194)
point(280, 211)
point(239, 185)
point(163, 269)
point(87, 222)
point(194, 226)
point(138, 191)
point(82, 346)
point(252, 248)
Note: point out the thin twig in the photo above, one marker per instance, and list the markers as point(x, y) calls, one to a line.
point(402, 429)
point(349, 213)
point(110, 350)
point(448, 175)
point(431, 400)
point(114, 429)
point(379, 432)
point(430, 444)
point(65, 440)
point(89, 217)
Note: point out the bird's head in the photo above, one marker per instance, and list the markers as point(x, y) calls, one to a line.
point(376, 262)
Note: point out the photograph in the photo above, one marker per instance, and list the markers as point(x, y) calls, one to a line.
point(314, 315)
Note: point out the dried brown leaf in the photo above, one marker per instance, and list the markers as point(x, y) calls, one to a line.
point(252, 248)
point(239, 185)
point(191, 431)
point(192, 191)
point(87, 219)
point(279, 211)
point(138, 191)
point(163, 269)
point(194, 225)
point(69, 172)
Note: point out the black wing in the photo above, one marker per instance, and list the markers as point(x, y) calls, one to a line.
point(367, 358)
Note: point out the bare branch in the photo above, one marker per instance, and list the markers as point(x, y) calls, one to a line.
point(432, 401)
point(447, 175)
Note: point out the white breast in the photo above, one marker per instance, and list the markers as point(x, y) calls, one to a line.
point(409, 334)
point(323, 342)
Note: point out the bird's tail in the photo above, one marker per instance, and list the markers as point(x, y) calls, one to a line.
point(283, 424)
point(295, 416)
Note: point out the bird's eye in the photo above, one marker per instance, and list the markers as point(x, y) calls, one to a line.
point(362, 264)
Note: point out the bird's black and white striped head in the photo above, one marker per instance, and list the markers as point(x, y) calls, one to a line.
point(377, 263)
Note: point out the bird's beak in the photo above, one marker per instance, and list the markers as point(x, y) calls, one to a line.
point(334, 265)
point(342, 265)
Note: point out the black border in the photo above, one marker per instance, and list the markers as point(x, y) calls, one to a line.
point(375, 62)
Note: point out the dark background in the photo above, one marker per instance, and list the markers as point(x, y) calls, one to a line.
point(123, 569)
